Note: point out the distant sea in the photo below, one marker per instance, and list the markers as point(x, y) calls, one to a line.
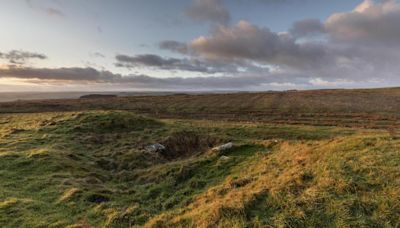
point(15, 96)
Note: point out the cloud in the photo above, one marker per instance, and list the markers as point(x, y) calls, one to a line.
point(97, 55)
point(51, 11)
point(54, 12)
point(92, 76)
point(63, 74)
point(209, 10)
point(323, 83)
point(174, 46)
point(21, 57)
point(245, 41)
point(373, 23)
point(185, 64)
point(360, 47)
point(339, 57)
point(307, 27)
point(146, 60)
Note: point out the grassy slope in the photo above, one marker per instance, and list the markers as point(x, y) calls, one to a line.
point(82, 169)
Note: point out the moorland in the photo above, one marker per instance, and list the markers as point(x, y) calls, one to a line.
point(325, 158)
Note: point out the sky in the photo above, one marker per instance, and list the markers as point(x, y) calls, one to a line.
point(198, 45)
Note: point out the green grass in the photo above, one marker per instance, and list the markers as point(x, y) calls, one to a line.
point(91, 169)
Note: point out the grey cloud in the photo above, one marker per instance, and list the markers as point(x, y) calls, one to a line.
point(245, 41)
point(174, 46)
point(242, 41)
point(145, 60)
point(209, 10)
point(369, 22)
point(158, 62)
point(21, 57)
point(343, 56)
point(91, 75)
point(94, 78)
point(97, 55)
point(330, 61)
point(307, 27)
point(73, 74)
point(345, 48)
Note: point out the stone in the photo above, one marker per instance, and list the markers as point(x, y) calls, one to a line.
point(157, 147)
point(224, 158)
point(223, 147)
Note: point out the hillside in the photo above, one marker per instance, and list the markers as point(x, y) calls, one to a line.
point(367, 108)
point(92, 169)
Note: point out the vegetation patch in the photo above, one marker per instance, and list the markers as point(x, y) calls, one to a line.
point(111, 122)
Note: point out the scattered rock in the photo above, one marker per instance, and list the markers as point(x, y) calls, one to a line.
point(155, 148)
point(223, 147)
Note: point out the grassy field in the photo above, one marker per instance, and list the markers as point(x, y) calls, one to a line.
point(365, 108)
point(91, 169)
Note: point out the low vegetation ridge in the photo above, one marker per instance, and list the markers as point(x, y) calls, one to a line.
point(92, 169)
point(97, 96)
point(366, 108)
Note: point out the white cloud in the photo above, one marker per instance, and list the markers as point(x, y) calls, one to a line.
point(324, 83)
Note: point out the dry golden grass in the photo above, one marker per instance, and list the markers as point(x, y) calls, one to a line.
point(329, 182)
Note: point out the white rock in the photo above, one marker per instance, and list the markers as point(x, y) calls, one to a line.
point(155, 148)
point(223, 147)
point(224, 158)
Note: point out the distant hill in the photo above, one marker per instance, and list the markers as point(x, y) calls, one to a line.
point(97, 96)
